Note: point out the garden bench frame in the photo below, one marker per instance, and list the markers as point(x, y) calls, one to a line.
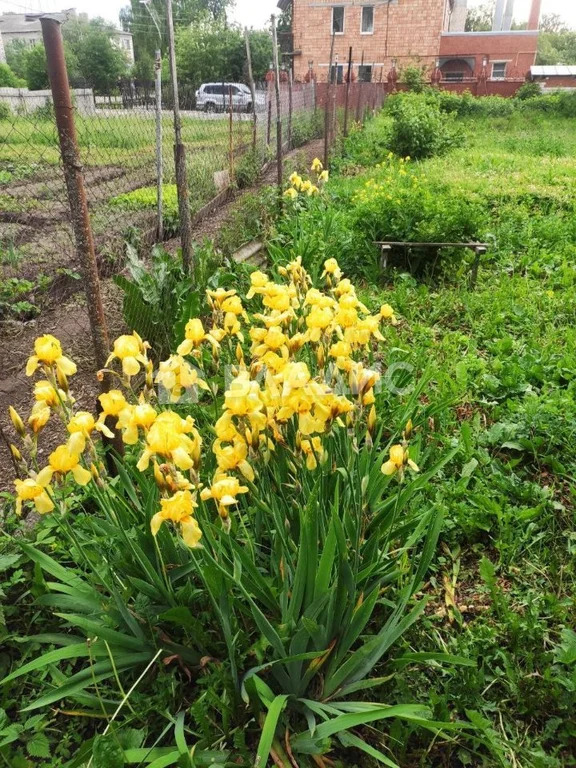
point(479, 249)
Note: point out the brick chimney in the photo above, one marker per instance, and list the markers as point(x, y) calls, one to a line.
point(534, 18)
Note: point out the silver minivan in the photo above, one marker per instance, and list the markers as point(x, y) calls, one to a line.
point(215, 97)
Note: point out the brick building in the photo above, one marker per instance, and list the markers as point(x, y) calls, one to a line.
point(388, 35)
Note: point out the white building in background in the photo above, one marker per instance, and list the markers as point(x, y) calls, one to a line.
point(27, 29)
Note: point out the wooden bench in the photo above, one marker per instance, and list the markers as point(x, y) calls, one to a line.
point(478, 248)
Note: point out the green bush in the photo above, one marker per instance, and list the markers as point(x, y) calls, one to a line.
point(5, 111)
point(7, 78)
point(248, 169)
point(307, 128)
point(414, 78)
point(528, 91)
point(420, 130)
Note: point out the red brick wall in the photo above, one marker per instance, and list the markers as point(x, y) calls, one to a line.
point(556, 82)
point(518, 49)
point(407, 30)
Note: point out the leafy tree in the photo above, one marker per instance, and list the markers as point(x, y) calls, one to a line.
point(557, 48)
point(36, 74)
point(479, 19)
point(212, 51)
point(16, 51)
point(7, 77)
point(261, 53)
point(99, 62)
point(136, 18)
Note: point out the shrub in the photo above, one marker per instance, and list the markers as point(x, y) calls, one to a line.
point(399, 205)
point(247, 169)
point(420, 130)
point(528, 91)
point(5, 111)
point(262, 530)
point(414, 78)
point(7, 78)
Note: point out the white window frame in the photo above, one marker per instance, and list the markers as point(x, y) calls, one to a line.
point(343, 7)
point(362, 9)
point(498, 77)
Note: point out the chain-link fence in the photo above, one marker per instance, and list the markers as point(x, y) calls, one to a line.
point(230, 135)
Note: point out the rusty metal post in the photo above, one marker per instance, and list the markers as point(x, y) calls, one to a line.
point(278, 108)
point(180, 154)
point(74, 178)
point(348, 82)
point(73, 174)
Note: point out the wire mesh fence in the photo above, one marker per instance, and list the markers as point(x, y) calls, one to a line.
point(230, 135)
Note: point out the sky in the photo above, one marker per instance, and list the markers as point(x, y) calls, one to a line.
point(251, 13)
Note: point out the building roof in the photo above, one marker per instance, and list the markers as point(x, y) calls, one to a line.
point(553, 71)
point(13, 23)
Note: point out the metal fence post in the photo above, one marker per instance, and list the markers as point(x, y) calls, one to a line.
point(252, 90)
point(278, 111)
point(74, 178)
point(159, 160)
point(290, 107)
point(348, 82)
point(73, 174)
point(231, 132)
point(358, 103)
point(180, 154)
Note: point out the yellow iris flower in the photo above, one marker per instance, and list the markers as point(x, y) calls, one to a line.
point(179, 509)
point(223, 491)
point(399, 459)
point(48, 352)
point(35, 491)
point(61, 462)
point(131, 352)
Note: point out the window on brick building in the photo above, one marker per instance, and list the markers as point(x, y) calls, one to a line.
point(338, 20)
point(337, 74)
point(453, 77)
point(364, 74)
point(367, 27)
point(498, 70)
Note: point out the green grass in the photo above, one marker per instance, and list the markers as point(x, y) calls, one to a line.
point(116, 140)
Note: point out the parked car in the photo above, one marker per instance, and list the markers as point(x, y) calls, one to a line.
point(215, 97)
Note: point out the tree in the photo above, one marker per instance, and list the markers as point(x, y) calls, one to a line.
point(36, 74)
point(557, 48)
point(213, 51)
point(8, 78)
point(553, 22)
point(16, 57)
point(99, 61)
point(136, 18)
point(480, 19)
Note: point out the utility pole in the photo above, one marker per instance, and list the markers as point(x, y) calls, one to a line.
point(179, 154)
